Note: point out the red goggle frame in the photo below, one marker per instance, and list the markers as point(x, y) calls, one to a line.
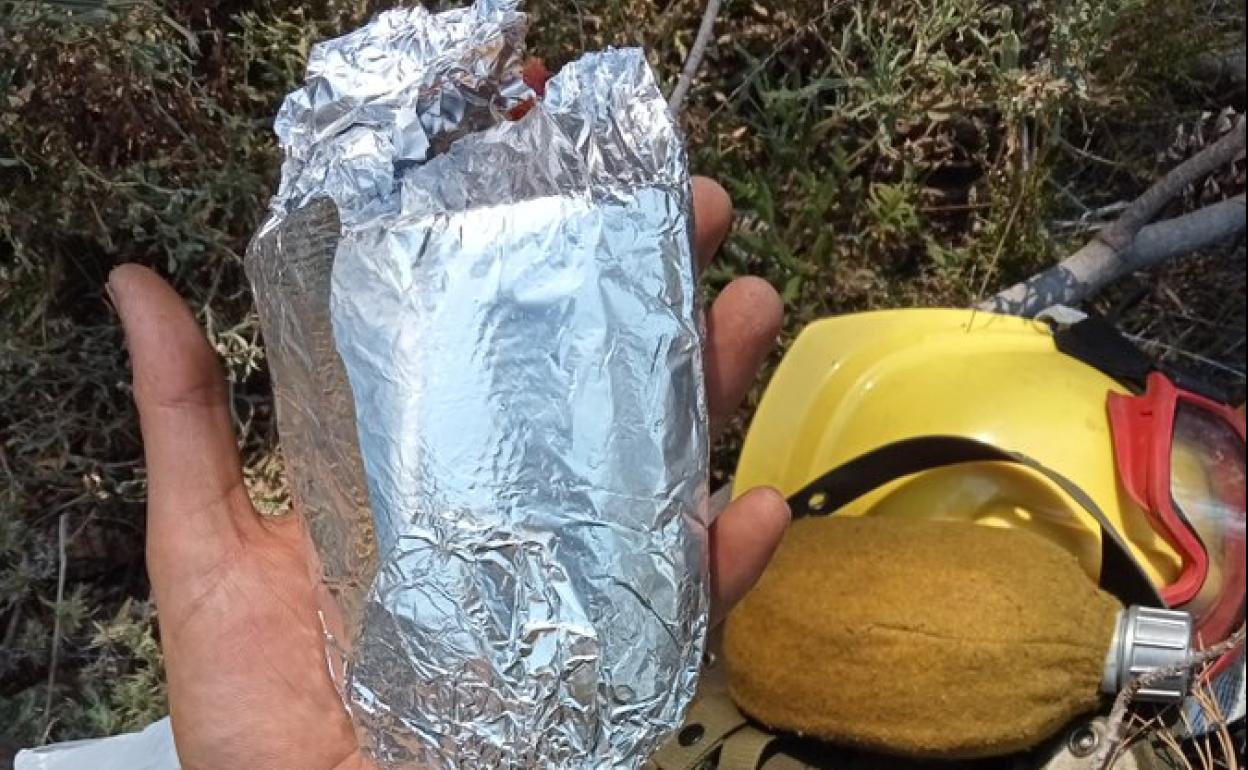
point(1144, 429)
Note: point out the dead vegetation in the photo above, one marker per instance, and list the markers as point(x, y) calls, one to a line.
point(880, 152)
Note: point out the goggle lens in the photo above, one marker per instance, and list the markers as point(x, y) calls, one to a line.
point(1207, 487)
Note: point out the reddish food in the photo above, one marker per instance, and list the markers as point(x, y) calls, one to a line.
point(521, 109)
point(535, 75)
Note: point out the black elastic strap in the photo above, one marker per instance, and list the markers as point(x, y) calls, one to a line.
point(1098, 343)
point(1121, 575)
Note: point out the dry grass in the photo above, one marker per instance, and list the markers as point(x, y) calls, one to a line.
point(1169, 732)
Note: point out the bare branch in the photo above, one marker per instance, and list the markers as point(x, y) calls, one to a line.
point(692, 64)
point(1121, 233)
point(1077, 278)
point(1127, 245)
point(1182, 235)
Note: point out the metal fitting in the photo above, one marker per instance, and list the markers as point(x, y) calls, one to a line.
point(1147, 639)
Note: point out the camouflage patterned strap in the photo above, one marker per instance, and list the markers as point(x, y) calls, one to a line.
point(711, 720)
point(743, 750)
point(717, 737)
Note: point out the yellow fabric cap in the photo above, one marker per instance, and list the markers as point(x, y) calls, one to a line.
point(918, 637)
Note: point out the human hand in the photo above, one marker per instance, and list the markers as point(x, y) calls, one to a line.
point(239, 595)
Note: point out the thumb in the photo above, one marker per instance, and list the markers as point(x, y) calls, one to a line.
point(197, 503)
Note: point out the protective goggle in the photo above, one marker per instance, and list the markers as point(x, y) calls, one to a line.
point(1180, 457)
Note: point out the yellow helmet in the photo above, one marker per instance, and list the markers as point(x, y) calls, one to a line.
point(852, 385)
point(978, 472)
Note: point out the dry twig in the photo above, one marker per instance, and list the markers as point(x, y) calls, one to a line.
point(62, 533)
point(1115, 725)
point(694, 62)
point(1128, 245)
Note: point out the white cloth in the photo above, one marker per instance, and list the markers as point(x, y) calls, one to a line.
point(151, 749)
point(1229, 692)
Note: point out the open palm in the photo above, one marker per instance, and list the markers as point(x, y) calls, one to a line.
point(239, 596)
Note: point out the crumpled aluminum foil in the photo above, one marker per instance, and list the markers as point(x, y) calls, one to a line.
point(492, 325)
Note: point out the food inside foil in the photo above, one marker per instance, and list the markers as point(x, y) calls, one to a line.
point(477, 289)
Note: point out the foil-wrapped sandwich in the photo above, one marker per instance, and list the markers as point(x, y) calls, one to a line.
point(478, 295)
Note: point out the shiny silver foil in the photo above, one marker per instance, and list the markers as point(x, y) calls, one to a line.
point(492, 326)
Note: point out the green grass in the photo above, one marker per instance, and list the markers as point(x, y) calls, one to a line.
point(881, 153)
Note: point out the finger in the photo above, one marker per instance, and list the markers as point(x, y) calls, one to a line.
point(742, 542)
point(712, 218)
point(196, 497)
point(741, 330)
